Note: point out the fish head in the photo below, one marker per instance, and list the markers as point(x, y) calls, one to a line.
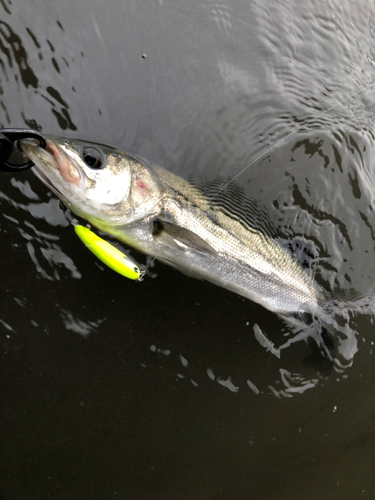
point(99, 183)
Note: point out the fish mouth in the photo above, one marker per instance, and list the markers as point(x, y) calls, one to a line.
point(52, 164)
point(45, 179)
point(68, 169)
point(44, 160)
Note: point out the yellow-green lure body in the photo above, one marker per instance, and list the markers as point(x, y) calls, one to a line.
point(108, 254)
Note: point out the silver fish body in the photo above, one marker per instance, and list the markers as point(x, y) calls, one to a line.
point(162, 215)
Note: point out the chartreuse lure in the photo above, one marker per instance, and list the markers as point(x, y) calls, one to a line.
point(108, 254)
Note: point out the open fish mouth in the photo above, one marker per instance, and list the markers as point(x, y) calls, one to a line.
point(38, 155)
point(45, 162)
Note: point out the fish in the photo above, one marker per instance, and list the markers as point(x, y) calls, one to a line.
point(162, 215)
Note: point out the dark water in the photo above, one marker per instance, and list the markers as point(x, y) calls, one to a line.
point(161, 390)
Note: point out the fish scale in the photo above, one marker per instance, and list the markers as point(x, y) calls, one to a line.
point(162, 215)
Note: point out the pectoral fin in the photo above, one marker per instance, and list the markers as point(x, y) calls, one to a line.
point(182, 235)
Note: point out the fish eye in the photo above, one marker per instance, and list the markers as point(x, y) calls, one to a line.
point(93, 158)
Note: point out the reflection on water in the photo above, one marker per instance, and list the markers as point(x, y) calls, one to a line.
point(172, 387)
point(17, 71)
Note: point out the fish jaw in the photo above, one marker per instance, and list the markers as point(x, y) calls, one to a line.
point(53, 168)
point(68, 170)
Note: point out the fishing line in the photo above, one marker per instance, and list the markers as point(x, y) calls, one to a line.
point(269, 150)
point(148, 266)
point(287, 137)
point(145, 270)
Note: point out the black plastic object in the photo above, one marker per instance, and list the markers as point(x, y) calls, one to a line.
point(11, 158)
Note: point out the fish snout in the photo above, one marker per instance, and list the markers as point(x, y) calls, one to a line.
point(68, 171)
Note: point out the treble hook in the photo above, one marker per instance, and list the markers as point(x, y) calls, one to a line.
point(11, 158)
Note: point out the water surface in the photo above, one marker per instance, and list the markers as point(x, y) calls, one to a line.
point(165, 389)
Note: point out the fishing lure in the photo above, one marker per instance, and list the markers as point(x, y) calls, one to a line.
point(108, 254)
